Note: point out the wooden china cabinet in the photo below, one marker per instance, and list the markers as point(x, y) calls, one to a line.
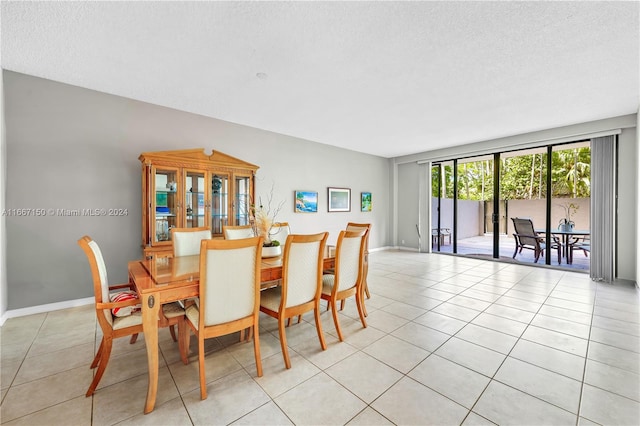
point(189, 189)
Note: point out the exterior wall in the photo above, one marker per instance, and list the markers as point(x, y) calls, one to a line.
point(535, 209)
point(470, 216)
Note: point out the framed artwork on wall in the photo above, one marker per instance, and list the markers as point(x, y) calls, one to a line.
point(365, 201)
point(305, 202)
point(339, 199)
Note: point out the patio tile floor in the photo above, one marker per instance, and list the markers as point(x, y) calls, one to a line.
point(482, 246)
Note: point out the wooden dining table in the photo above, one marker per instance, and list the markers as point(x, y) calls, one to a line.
point(163, 280)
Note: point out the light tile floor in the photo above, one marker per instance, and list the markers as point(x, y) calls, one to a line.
point(449, 341)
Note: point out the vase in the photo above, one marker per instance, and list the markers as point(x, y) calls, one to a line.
point(271, 251)
point(565, 227)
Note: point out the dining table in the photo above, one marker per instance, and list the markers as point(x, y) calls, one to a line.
point(161, 280)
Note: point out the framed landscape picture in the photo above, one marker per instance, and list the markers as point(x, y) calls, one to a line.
point(365, 201)
point(305, 202)
point(339, 199)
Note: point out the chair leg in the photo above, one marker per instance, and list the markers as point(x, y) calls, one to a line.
point(336, 321)
point(173, 333)
point(104, 360)
point(283, 343)
point(256, 350)
point(537, 254)
point(183, 341)
point(96, 359)
point(342, 304)
point(366, 290)
point(133, 339)
point(203, 383)
point(316, 314)
point(515, 252)
point(364, 308)
point(361, 310)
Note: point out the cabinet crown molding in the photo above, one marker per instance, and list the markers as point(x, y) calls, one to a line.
point(195, 157)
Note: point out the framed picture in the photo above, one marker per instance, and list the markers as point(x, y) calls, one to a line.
point(365, 201)
point(339, 199)
point(305, 202)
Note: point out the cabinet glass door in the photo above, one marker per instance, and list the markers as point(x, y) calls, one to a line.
point(242, 200)
point(194, 191)
point(219, 203)
point(165, 202)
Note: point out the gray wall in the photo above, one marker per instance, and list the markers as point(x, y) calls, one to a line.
point(3, 179)
point(408, 206)
point(628, 237)
point(637, 170)
point(73, 148)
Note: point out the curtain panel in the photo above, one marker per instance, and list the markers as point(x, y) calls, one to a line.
point(603, 208)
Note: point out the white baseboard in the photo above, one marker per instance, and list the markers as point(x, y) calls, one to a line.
point(403, 248)
point(49, 307)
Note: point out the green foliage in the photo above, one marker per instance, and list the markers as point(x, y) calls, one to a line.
point(521, 177)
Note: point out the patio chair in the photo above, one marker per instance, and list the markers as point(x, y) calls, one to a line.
point(582, 243)
point(440, 234)
point(526, 237)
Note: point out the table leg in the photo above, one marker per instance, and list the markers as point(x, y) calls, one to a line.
point(150, 310)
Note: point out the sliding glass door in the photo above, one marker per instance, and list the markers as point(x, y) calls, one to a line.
point(442, 206)
point(475, 200)
point(526, 206)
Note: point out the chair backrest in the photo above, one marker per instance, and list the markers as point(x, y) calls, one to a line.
point(98, 273)
point(229, 279)
point(352, 226)
point(302, 268)
point(237, 232)
point(524, 229)
point(186, 241)
point(279, 232)
point(349, 259)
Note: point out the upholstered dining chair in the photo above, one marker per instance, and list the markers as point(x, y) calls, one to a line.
point(352, 226)
point(186, 241)
point(301, 286)
point(120, 318)
point(229, 295)
point(237, 232)
point(527, 238)
point(279, 232)
point(348, 275)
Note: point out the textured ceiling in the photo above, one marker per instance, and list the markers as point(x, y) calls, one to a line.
point(386, 78)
